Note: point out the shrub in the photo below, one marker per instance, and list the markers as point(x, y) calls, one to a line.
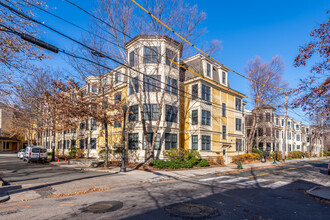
point(216, 160)
point(245, 157)
point(194, 161)
point(171, 164)
point(294, 154)
point(306, 154)
point(203, 163)
point(257, 151)
point(80, 153)
point(326, 153)
point(73, 152)
point(179, 154)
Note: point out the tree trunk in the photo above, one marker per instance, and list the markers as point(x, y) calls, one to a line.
point(106, 146)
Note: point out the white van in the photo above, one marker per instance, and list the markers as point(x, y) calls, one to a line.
point(37, 153)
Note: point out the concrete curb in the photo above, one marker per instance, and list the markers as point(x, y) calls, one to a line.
point(4, 196)
point(319, 195)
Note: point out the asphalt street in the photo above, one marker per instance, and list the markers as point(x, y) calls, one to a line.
point(273, 193)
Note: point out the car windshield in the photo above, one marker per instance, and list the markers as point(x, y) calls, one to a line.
point(23, 150)
point(43, 150)
point(35, 150)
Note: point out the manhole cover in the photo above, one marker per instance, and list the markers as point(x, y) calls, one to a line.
point(192, 210)
point(101, 207)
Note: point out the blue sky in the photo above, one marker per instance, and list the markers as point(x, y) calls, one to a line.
point(246, 29)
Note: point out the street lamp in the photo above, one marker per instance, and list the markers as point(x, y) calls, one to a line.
point(123, 168)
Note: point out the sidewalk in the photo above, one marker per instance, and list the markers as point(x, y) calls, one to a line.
point(113, 178)
point(188, 173)
point(322, 192)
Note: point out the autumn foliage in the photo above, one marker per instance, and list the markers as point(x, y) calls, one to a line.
point(314, 90)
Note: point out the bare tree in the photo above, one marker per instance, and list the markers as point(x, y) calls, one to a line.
point(127, 20)
point(269, 76)
point(28, 99)
point(16, 53)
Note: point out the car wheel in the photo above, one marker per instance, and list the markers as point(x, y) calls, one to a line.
point(28, 160)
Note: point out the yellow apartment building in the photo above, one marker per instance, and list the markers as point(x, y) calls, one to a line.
point(200, 113)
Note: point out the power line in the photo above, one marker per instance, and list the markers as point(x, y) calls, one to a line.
point(200, 49)
point(76, 41)
point(157, 51)
point(144, 82)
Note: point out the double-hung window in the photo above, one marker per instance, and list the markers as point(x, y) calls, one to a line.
point(94, 88)
point(224, 132)
point(133, 141)
point(298, 137)
point(173, 56)
point(117, 77)
point(81, 144)
point(171, 141)
point(151, 55)
point(224, 78)
point(87, 126)
point(133, 113)
point(171, 113)
point(206, 142)
point(194, 91)
point(194, 142)
point(117, 97)
point(206, 92)
point(206, 117)
point(238, 124)
point(93, 143)
point(82, 126)
point(93, 124)
point(194, 117)
point(150, 112)
point(208, 70)
point(238, 104)
point(151, 83)
point(238, 144)
point(172, 86)
point(135, 83)
point(133, 57)
point(224, 110)
point(150, 136)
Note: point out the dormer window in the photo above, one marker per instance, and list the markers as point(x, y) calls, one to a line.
point(224, 78)
point(208, 70)
point(151, 55)
point(173, 56)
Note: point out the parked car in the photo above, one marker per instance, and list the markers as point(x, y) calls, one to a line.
point(37, 153)
point(21, 153)
point(329, 168)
